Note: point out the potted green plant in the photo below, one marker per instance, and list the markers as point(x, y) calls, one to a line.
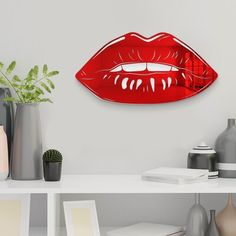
point(27, 93)
point(52, 162)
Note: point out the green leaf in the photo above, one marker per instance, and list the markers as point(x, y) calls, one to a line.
point(1, 65)
point(9, 99)
point(17, 86)
point(39, 90)
point(51, 84)
point(52, 73)
point(29, 87)
point(45, 87)
point(30, 73)
point(16, 79)
point(3, 81)
point(36, 70)
point(11, 67)
point(45, 100)
point(45, 69)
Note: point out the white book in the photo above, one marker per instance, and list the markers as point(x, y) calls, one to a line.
point(176, 175)
point(147, 229)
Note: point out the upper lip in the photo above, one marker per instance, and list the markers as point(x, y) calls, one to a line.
point(135, 69)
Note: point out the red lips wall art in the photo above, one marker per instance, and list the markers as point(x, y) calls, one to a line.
point(135, 69)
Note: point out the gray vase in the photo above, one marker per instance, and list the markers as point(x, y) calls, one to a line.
point(27, 143)
point(197, 221)
point(212, 228)
point(7, 117)
point(225, 147)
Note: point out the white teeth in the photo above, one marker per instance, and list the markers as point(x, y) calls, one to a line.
point(124, 83)
point(134, 67)
point(169, 80)
point(139, 82)
point(104, 77)
point(131, 84)
point(158, 67)
point(152, 82)
point(116, 78)
point(174, 69)
point(183, 75)
point(118, 68)
point(163, 84)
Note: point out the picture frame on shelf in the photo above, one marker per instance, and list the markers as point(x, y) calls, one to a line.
point(14, 214)
point(81, 218)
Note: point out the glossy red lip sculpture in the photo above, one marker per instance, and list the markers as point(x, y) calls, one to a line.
point(135, 69)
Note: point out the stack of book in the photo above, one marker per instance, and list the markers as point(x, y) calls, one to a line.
point(176, 175)
point(148, 229)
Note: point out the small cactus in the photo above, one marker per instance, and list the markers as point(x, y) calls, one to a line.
point(52, 155)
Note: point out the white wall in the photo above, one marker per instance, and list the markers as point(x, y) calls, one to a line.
point(100, 137)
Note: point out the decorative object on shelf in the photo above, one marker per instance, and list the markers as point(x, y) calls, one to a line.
point(226, 219)
point(27, 142)
point(136, 69)
point(172, 175)
point(14, 214)
point(7, 117)
point(212, 228)
point(52, 162)
point(81, 218)
point(4, 165)
point(203, 157)
point(197, 221)
point(148, 229)
point(225, 147)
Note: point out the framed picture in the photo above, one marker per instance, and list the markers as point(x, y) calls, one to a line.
point(14, 214)
point(81, 218)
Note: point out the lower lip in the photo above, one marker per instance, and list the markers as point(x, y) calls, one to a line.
point(160, 90)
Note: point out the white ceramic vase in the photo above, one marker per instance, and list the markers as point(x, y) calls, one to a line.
point(4, 167)
point(197, 221)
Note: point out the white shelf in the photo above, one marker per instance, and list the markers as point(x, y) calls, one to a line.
point(113, 184)
point(38, 231)
point(103, 231)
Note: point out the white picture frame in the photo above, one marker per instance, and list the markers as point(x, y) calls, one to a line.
point(14, 214)
point(81, 218)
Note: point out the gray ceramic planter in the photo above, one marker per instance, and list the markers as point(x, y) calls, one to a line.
point(27, 143)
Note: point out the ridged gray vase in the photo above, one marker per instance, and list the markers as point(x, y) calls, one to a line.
point(7, 117)
point(225, 147)
point(212, 228)
point(27, 143)
point(197, 221)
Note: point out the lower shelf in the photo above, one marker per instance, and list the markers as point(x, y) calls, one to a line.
point(103, 231)
point(38, 231)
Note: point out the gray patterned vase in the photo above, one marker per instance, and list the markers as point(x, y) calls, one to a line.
point(225, 147)
point(212, 228)
point(27, 143)
point(7, 117)
point(197, 221)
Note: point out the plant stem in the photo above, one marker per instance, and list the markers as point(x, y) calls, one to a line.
point(11, 86)
point(37, 81)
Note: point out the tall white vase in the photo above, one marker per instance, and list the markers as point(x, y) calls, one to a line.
point(197, 221)
point(4, 167)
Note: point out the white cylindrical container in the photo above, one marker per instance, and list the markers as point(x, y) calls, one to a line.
point(4, 167)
